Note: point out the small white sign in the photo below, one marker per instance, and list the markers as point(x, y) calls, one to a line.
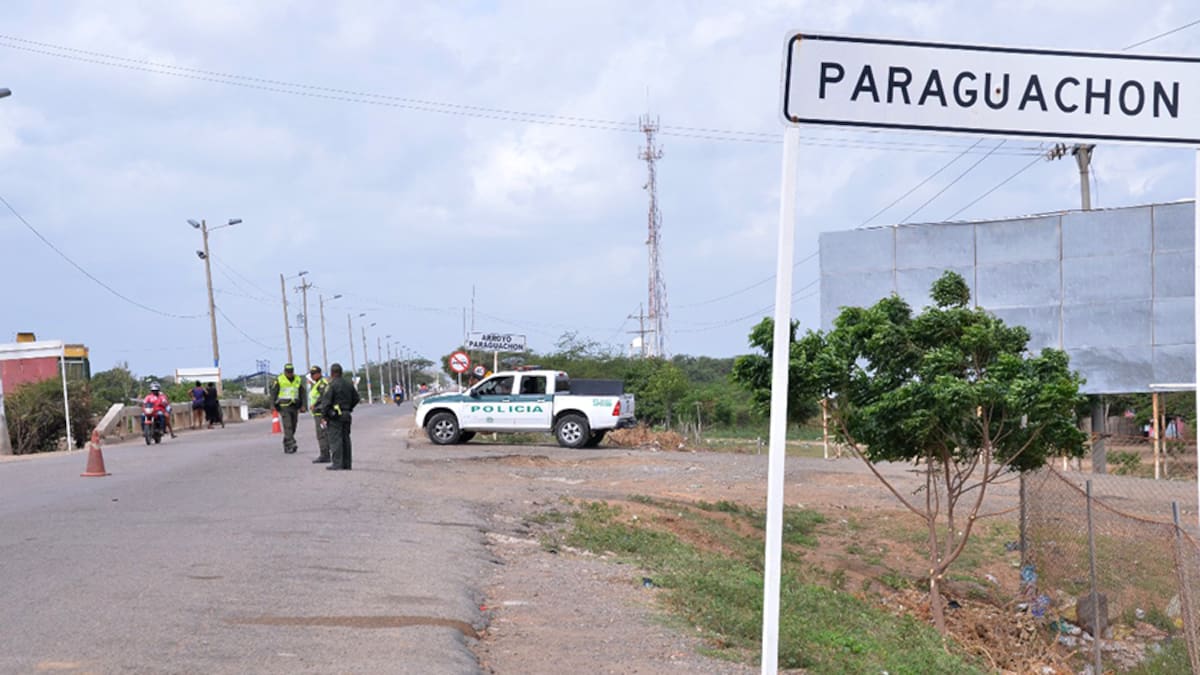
point(900, 84)
point(496, 342)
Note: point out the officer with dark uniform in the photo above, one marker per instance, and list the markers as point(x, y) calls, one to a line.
point(335, 406)
point(316, 386)
point(287, 397)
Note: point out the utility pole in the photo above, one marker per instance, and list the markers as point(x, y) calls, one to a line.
point(367, 365)
point(641, 331)
point(287, 329)
point(382, 391)
point(353, 368)
point(305, 284)
point(1083, 159)
point(657, 286)
point(324, 353)
point(212, 307)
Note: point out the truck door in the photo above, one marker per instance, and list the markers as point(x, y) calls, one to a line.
point(489, 406)
point(533, 407)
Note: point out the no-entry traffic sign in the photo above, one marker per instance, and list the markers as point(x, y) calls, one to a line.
point(459, 362)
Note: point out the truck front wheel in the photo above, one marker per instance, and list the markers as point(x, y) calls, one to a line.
point(443, 429)
point(572, 431)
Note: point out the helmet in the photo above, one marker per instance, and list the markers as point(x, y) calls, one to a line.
point(155, 387)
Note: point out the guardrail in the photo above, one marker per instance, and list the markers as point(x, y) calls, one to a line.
point(124, 421)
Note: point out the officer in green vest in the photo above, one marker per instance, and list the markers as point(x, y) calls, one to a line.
point(316, 386)
point(287, 397)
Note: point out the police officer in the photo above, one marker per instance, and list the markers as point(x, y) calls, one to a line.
point(316, 386)
point(287, 397)
point(335, 406)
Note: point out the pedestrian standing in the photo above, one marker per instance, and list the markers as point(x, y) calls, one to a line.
point(287, 397)
point(212, 406)
point(316, 386)
point(197, 406)
point(336, 404)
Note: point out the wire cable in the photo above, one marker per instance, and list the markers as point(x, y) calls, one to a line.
point(995, 187)
point(747, 288)
point(918, 186)
point(88, 274)
point(238, 329)
point(957, 178)
point(1162, 35)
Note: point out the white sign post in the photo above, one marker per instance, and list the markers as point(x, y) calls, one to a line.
point(5, 441)
point(897, 84)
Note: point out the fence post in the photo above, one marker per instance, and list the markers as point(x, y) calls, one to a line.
point(1095, 593)
point(1185, 599)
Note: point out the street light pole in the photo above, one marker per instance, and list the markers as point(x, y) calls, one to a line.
point(353, 367)
point(212, 307)
point(379, 349)
point(367, 364)
point(207, 258)
point(324, 352)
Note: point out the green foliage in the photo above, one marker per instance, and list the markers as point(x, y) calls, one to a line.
point(1126, 463)
point(821, 630)
point(1170, 660)
point(117, 385)
point(753, 372)
point(36, 420)
point(941, 386)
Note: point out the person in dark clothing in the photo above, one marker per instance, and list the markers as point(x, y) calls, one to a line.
point(212, 406)
point(335, 405)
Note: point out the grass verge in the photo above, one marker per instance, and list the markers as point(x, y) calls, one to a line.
point(720, 591)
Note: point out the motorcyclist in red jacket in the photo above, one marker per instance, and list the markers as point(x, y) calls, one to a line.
point(161, 404)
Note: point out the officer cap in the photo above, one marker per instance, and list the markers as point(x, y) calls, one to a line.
point(288, 366)
point(315, 369)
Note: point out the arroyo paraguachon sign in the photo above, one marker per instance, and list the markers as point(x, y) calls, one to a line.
point(1006, 91)
point(877, 83)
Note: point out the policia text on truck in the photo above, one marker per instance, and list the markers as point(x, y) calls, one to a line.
point(899, 85)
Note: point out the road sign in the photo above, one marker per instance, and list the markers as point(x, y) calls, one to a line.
point(459, 362)
point(480, 371)
point(496, 342)
point(1005, 91)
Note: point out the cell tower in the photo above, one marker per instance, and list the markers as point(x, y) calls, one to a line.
point(655, 342)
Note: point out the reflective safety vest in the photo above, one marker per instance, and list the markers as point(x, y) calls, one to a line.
point(315, 390)
point(289, 390)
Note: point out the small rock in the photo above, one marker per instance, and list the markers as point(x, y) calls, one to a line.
point(1086, 616)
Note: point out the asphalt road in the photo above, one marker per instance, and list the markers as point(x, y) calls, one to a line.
point(217, 553)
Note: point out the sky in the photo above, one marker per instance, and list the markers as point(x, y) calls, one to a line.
point(423, 158)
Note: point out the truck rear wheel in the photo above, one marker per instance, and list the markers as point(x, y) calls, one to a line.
point(595, 439)
point(572, 431)
point(443, 429)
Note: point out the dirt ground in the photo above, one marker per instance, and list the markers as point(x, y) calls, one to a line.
point(572, 611)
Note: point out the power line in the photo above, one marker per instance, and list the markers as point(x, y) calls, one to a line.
point(243, 277)
point(756, 313)
point(995, 187)
point(1162, 35)
point(918, 186)
point(957, 178)
point(88, 274)
point(751, 286)
point(446, 108)
point(244, 334)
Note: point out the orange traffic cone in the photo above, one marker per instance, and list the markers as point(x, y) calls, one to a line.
point(276, 427)
point(95, 465)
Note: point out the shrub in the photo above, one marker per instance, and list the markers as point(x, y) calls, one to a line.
point(35, 416)
point(1127, 463)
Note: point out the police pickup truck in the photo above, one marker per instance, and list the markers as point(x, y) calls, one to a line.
point(578, 412)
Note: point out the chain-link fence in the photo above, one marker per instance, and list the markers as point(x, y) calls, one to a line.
point(1118, 535)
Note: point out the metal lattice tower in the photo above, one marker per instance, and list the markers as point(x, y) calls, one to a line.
point(657, 287)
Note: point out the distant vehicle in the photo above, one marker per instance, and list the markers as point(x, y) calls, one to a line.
point(578, 412)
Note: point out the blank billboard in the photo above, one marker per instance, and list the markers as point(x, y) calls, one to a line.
point(1112, 287)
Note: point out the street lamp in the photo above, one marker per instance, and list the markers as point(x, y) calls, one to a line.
point(207, 258)
point(367, 361)
point(5, 93)
point(324, 352)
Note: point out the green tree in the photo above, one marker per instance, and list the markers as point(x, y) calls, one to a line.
point(117, 385)
point(953, 391)
point(36, 420)
point(753, 372)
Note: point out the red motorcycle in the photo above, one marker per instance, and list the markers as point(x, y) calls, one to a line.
point(154, 423)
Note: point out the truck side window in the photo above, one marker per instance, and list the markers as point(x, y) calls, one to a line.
point(499, 386)
point(533, 385)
